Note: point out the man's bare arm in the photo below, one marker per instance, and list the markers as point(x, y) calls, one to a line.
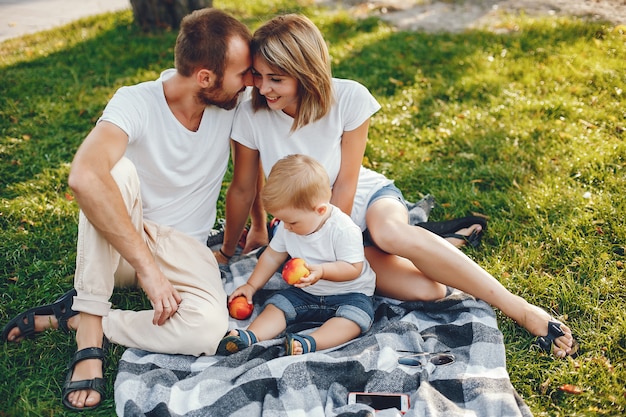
point(100, 200)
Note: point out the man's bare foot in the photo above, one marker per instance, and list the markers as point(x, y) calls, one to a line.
point(86, 370)
point(86, 389)
point(57, 315)
point(42, 323)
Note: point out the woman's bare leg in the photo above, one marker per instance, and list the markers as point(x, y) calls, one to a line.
point(440, 261)
point(398, 278)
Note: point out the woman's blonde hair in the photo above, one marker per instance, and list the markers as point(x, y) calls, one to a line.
point(292, 45)
point(296, 181)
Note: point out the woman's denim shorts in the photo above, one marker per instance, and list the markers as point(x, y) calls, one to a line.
point(388, 191)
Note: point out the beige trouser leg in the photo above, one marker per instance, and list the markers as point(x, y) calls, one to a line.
point(202, 317)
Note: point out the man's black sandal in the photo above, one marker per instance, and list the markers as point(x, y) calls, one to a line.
point(96, 384)
point(61, 309)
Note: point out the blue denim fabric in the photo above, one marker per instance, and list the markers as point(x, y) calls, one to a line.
point(300, 306)
point(388, 191)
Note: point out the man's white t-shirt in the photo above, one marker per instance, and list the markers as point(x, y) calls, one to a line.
point(339, 239)
point(180, 171)
point(269, 132)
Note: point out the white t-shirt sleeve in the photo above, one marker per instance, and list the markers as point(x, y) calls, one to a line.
point(243, 126)
point(356, 103)
point(126, 112)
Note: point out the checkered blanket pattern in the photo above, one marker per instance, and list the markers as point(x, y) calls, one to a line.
point(260, 381)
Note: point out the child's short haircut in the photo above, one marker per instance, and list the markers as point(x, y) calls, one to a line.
point(296, 181)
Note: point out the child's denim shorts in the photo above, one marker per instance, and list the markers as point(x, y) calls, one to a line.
point(299, 306)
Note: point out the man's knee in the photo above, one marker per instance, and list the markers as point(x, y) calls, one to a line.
point(202, 332)
point(125, 175)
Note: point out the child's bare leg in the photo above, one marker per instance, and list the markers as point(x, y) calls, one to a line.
point(268, 324)
point(333, 333)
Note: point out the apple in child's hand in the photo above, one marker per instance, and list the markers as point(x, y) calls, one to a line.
point(293, 270)
point(239, 308)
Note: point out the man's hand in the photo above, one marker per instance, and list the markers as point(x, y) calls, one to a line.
point(162, 295)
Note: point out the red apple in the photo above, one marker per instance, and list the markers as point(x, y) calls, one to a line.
point(293, 270)
point(239, 308)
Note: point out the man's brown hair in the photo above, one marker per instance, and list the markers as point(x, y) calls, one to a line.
point(203, 40)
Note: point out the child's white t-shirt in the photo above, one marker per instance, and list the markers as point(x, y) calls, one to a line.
point(180, 171)
point(339, 239)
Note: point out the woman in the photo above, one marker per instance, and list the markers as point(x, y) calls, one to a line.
point(297, 107)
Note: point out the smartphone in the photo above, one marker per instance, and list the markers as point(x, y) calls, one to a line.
point(380, 400)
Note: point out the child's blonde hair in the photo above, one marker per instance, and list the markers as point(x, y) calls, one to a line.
point(292, 45)
point(296, 181)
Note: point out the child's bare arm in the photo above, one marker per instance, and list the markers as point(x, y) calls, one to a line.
point(268, 263)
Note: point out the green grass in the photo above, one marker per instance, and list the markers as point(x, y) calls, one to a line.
point(527, 127)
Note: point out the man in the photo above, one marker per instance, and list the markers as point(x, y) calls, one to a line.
point(147, 179)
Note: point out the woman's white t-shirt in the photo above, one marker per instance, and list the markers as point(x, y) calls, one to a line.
point(269, 132)
point(180, 171)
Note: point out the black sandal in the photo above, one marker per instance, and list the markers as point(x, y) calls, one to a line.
point(96, 384)
point(554, 332)
point(61, 309)
point(448, 228)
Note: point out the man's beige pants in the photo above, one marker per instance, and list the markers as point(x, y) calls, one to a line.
point(202, 317)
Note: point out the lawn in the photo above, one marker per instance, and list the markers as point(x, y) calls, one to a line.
point(527, 127)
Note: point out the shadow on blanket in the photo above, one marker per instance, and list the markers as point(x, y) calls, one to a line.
point(259, 381)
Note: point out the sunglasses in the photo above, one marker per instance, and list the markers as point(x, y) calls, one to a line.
point(417, 358)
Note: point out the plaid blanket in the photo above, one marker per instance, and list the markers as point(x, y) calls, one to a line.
point(260, 381)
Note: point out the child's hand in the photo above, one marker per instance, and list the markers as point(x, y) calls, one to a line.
point(246, 290)
point(315, 274)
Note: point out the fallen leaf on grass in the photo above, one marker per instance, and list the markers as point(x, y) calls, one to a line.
point(587, 124)
point(571, 389)
point(604, 361)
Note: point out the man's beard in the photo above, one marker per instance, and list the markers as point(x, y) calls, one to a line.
point(215, 96)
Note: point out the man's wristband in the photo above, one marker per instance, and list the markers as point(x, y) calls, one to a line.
point(224, 255)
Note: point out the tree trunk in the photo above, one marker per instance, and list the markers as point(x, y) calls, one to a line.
point(163, 14)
